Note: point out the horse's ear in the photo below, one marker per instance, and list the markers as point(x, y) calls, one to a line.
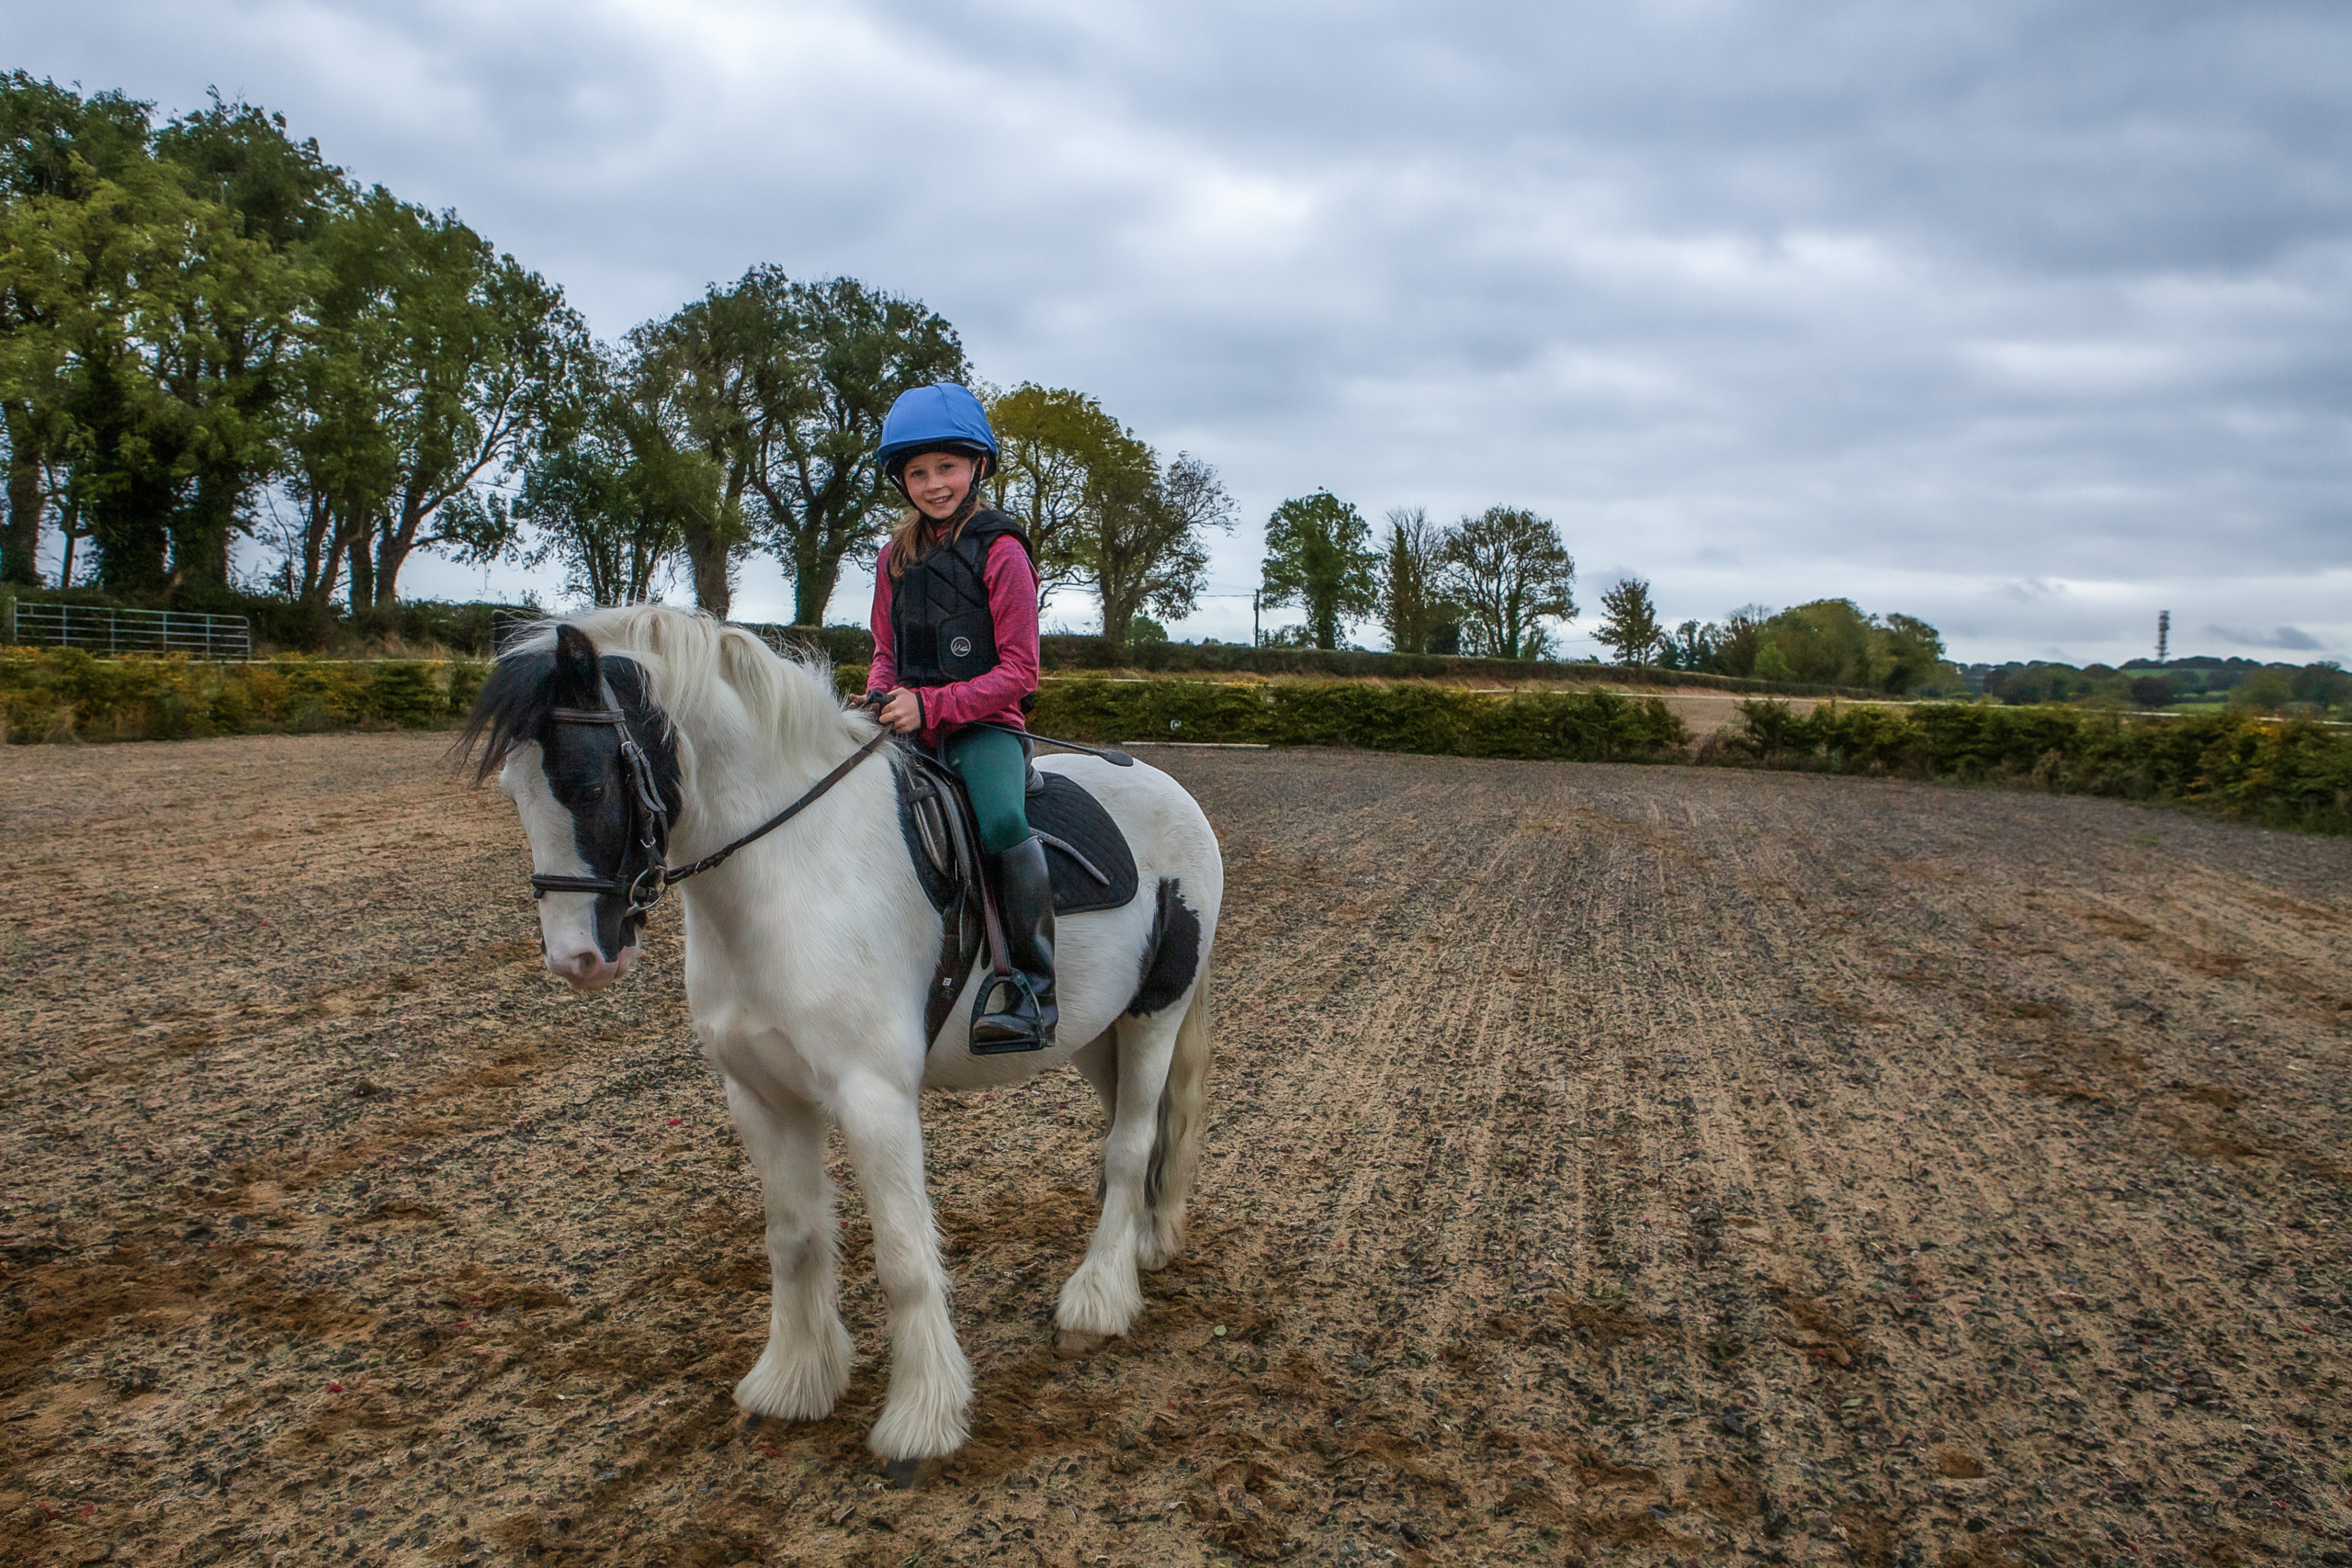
point(576, 675)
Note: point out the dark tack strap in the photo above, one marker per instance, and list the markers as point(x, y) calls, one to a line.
point(573, 884)
point(587, 716)
point(1111, 754)
point(717, 856)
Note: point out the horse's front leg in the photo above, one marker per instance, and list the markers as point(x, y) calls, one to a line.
point(806, 1365)
point(928, 1411)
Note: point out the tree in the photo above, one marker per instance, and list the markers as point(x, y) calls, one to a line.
point(615, 500)
point(1693, 645)
point(1413, 603)
point(1631, 627)
point(341, 460)
point(1142, 547)
point(150, 335)
point(853, 350)
point(709, 379)
point(1316, 557)
point(485, 350)
point(1508, 570)
point(55, 145)
point(1063, 460)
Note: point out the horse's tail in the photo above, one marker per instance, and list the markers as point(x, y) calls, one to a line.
point(1176, 1142)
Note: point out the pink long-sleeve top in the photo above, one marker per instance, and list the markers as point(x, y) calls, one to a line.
point(994, 697)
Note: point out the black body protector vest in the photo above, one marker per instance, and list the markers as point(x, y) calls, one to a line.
point(939, 610)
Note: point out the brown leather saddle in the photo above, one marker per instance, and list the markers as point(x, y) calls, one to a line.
point(1087, 858)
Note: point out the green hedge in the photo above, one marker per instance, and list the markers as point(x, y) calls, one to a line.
point(65, 694)
point(855, 645)
point(2294, 773)
point(1590, 726)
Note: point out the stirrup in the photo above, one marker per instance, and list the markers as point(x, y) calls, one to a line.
point(1021, 1026)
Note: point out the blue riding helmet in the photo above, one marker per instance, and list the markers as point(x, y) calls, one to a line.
point(945, 418)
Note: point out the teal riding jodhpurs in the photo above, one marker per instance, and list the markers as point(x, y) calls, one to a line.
point(995, 770)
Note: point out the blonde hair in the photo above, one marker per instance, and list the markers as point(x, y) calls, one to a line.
point(915, 535)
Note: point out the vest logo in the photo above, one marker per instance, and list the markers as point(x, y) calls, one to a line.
point(960, 646)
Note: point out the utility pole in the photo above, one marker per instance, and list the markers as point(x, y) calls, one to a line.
point(2163, 633)
point(1257, 638)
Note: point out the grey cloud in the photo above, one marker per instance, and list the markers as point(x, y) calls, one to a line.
point(1772, 300)
point(2293, 639)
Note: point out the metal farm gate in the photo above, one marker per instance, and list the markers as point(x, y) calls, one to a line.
point(101, 630)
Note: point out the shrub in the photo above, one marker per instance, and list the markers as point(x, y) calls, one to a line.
point(63, 693)
point(1435, 721)
point(2294, 775)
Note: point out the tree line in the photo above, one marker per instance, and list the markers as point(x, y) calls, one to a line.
point(207, 332)
point(1487, 584)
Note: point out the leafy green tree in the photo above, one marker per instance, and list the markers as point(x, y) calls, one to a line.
point(486, 351)
point(2265, 690)
point(1316, 558)
point(1630, 625)
point(1141, 546)
point(1693, 645)
point(342, 461)
point(162, 329)
point(853, 351)
point(1508, 570)
point(614, 501)
point(709, 379)
point(1064, 462)
point(1413, 603)
point(54, 145)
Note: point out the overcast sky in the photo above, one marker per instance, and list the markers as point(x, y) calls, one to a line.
point(2027, 319)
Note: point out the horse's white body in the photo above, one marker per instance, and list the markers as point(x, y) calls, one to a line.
point(807, 957)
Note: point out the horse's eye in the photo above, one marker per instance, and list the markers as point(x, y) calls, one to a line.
point(588, 795)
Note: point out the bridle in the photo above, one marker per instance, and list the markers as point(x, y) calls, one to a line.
point(649, 822)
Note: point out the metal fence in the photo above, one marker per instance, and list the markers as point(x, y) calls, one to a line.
point(101, 630)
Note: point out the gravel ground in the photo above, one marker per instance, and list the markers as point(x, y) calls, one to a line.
point(1609, 1164)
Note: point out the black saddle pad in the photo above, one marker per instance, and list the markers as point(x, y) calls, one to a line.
point(1064, 811)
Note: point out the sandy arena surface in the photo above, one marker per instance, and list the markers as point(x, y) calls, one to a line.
point(1609, 1164)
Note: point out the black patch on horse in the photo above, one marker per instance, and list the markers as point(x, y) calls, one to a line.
point(582, 762)
point(1172, 958)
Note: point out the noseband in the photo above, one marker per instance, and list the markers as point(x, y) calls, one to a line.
point(649, 820)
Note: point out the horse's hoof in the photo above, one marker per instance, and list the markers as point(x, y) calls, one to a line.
point(1072, 1345)
point(907, 1474)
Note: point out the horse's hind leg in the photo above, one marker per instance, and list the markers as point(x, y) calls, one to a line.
point(806, 1364)
point(928, 1411)
point(1104, 1296)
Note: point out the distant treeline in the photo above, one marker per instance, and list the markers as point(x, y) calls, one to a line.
point(2144, 684)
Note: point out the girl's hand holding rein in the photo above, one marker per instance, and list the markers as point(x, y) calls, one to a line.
point(903, 712)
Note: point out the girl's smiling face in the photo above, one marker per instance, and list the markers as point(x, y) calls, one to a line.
point(937, 481)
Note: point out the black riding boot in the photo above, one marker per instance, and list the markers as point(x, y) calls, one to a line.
point(1017, 1014)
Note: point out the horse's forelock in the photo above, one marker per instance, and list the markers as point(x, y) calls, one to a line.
point(513, 704)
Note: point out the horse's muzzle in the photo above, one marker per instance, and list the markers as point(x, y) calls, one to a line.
point(589, 970)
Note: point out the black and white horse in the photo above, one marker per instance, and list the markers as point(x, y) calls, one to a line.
point(635, 741)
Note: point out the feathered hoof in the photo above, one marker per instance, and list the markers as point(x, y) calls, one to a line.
point(910, 1474)
point(799, 1385)
point(1074, 1344)
point(1161, 1243)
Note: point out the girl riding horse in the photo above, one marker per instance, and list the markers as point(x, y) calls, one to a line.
point(955, 652)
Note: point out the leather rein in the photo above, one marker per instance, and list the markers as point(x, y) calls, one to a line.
point(651, 820)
